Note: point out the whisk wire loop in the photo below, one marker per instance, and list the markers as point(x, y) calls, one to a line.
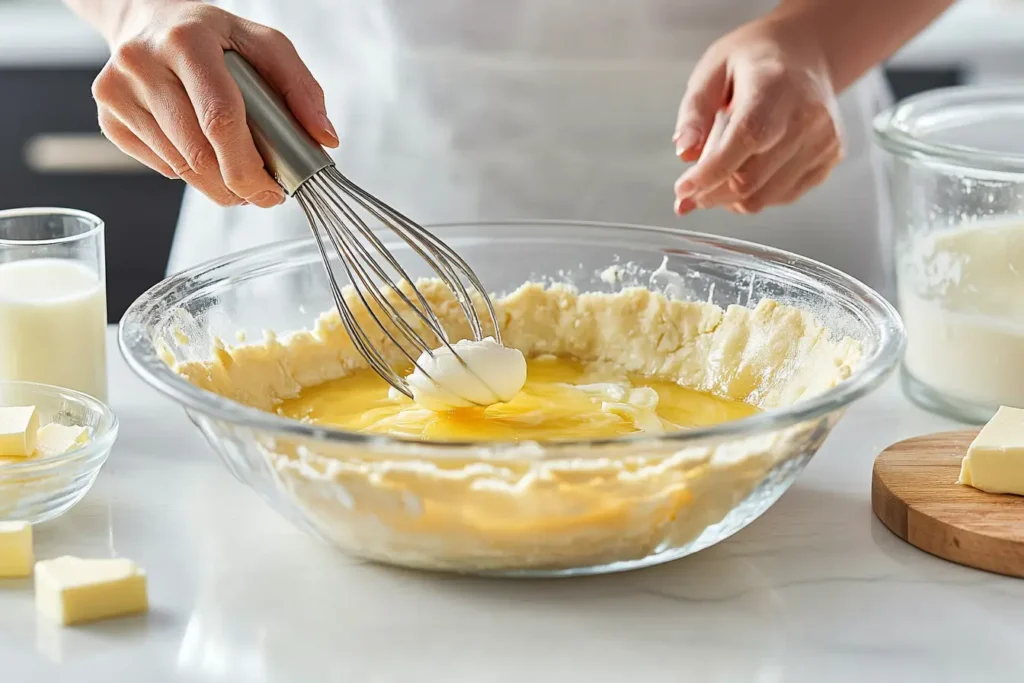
point(331, 203)
point(330, 218)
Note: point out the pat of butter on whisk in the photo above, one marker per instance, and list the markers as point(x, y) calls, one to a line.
point(995, 460)
point(18, 431)
point(71, 590)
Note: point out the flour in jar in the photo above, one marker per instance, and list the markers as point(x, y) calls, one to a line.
point(961, 295)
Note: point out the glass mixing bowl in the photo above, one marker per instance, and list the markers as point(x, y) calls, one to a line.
point(646, 499)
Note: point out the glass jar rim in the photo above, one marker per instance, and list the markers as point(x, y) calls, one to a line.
point(96, 225)
point(895, 129)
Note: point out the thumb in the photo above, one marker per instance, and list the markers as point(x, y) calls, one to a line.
point(274, 56)
point(706, 93)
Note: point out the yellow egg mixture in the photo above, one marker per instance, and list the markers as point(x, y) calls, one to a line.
point(563, 399)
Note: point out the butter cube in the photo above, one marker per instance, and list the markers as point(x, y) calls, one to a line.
point(18, 428)
point(995, 459)
point(71, 590)
point(54, 439)
point(15, 550)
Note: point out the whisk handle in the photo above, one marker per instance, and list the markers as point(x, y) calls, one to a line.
point(289, 152)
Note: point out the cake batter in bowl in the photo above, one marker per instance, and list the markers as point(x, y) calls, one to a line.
point(779, 344)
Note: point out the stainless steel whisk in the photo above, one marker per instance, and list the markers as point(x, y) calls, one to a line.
point(330, 200)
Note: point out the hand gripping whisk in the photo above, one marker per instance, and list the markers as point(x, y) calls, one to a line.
point(330, 201)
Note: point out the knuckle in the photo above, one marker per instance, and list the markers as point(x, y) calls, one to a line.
point(219, 194)
point(748, 193)
point(265, 199)
point(242, 179)
point(200, 158)
point(311, 86)
point(272, 35)
point(108, 84)
point(219, 120)
point(130, 55)
point(108, 125)
point(743, 182)
point(250, 36)
point(180, 35)
point(772, 72)
point(751, 129)
point(815, 118)
point(181, 168)
point(102, 87)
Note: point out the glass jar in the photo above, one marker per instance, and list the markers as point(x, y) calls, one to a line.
point(954, 163)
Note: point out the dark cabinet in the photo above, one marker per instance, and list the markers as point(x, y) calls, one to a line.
point(52, 154)
point(906, 82)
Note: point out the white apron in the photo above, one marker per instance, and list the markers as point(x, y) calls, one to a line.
point(456, 110)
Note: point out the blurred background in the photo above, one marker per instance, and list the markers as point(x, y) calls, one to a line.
point(52, 154)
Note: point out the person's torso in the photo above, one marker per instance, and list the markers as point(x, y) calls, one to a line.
point(476, 110)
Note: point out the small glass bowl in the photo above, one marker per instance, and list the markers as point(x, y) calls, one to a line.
point(43, 488)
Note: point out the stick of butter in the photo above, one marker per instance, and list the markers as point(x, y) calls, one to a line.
point(15, 550)
point(71, 590)
point(995, 459)
point(18, 429)
point(54, 439)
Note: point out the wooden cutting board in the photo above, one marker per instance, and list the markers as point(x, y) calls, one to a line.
point(914, 492)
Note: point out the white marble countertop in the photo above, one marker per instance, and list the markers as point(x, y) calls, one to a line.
point(816, 590)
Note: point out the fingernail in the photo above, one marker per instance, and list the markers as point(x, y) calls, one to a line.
point(684, 206)
point(328, 127)
point(685, 139)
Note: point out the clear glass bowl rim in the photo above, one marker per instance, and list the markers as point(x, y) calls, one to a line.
point(893, 127)
point(100, 442)
point(140, 354)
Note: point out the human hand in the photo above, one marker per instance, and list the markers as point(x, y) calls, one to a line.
point(166, 98)
point(759, 118)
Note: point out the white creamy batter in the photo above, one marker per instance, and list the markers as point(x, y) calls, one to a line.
point(961, 295)
point(468, 373)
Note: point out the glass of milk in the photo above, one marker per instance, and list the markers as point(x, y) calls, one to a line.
point(53, 299)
